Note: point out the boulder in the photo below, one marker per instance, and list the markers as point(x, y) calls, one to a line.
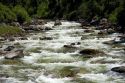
point(23, 38)
point(14, 54)
point(120, 69)
point(72, 44)
point(91, 52)
point(84, 22)
point(37, 28)
point(94, 21)
point(104, 24)
point(122, 38)
point(117, 40)
point(109, 42)
point(69, 46)
point(1, 46)
point(2, 39)
point(110, 31)
point(84, 37)
point(9, 48)
point(17, 24)
point(57, 23)
point(16, 43)
point(48, 28)
point(102, 32)
point(88, 31)
point(2, 52)
point(76, 43)
point(11, 39)
point(46, 38)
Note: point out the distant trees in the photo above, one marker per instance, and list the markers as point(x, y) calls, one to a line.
point(21, 14)
point(22, 10)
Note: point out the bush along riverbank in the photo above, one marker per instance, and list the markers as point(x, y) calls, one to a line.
point(9, 31)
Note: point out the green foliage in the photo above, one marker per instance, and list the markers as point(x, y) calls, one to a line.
point(6, 30)
point(68, 9)
point(6, 15)
point(42, 10)
point(21, 14)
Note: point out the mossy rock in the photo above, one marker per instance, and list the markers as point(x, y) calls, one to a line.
point(70, 71)
point(54, 60)
point(35, 50)
point(11, 62)
point(88, 53)
point(67, 72)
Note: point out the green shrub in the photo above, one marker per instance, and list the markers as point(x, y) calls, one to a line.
point(6, 30)
point(113, 16)
point(6, 15)
point(21, 14)
point(42, 10)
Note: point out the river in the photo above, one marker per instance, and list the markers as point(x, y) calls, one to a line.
point(47, 61)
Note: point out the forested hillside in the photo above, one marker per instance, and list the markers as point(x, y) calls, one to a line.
point(24, 10)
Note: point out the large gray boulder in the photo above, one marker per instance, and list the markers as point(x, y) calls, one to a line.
point(14, 54)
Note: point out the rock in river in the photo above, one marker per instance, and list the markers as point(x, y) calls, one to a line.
point(9, 48)
point(91, 52)
point(120, 69)
point(45, 38)
point(14, 54)
point(57, 22)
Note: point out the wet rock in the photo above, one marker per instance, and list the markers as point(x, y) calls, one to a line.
point(120, 69)
point(9, 48)
point(110, 31)
point(118, 40)
point(76, 43)
point(72, 44)
point(69, 46)
point(17, 24)
point(84, 22)
point(57, 22)
point(1, 46)
point(2, 52)
point(122, 38)
point(109, 42)
point(48, 28)
point(84, 37)
point(2, 39)
point(37, 28)
point(91, 52)
point(88, 31)
point(11, 39)
point(3, 76)
point(102, 32)
point(14, 54)
point(17, 43)
point(46, 38)
point(94, 21)
point(103, 24)
point(41, 22)
point(23, 38)
point(67, 72)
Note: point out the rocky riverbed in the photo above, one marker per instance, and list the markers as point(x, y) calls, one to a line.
point(67, 53)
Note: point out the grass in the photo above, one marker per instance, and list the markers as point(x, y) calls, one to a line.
point(6, 30)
